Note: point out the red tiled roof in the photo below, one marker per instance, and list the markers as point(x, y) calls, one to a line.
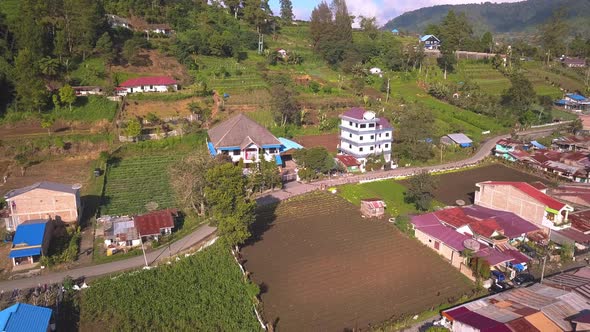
point(454, 217)
point(355, 113)
point(531, 192)
point(580, 220)
point(348, 161)
point(538, 185)
point(485, 227)
point(150, 80)
point(519, 154)
point(153, 222)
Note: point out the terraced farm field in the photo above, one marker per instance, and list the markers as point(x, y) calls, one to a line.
point(135, 181)
point(323, 267)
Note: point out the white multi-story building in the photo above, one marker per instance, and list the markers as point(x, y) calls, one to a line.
point(363, 134)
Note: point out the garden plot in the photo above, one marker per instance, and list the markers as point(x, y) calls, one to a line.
point(322, 267)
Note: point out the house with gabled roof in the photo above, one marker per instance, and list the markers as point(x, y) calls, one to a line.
point(430, 42)
point(156, 223)
point(147, 84)
point(43, 200)
point(525, 201)
point(241, 138)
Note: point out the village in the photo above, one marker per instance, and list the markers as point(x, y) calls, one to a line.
point(210, 166)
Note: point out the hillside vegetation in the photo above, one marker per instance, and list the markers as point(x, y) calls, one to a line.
point(515, 17)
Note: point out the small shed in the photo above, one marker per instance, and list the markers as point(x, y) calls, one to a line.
point(349, 162)
point(372, 208)
point(31, 241)
point(458, 138)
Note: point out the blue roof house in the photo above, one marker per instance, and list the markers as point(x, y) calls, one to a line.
point(430, 42)
point(395, 32)
point(23, 317)
point(575, 101)
point(30, 242)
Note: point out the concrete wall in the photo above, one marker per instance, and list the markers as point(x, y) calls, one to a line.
point(508, 198)
point(447, 252)
point(42, 203)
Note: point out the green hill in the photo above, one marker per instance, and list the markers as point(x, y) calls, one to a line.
point(500, 18)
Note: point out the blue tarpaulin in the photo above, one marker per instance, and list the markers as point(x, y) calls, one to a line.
point(211, 149)
point(538, 145)
point(279, 160)
point(518, 267)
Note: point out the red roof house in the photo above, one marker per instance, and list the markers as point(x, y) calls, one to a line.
point(148, 84)
point(155, 223)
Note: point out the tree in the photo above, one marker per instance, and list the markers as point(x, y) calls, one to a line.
point(67, 95)
point(284, 106)
point(316, 159)
point(520, 96)
point(321, 24)
point(104, 46)
point(203, 113)
point(369, 26)
point(455, 31)
point(420, 190)
point(48, 66)
point(29, 86)
point(286, 11)
point(47, 122)
point(228, 201)
point(257, 13)
point(188, 178)
point(265, 176)
point(552, 34)
point(133, 128)
point(487, 42)
point(416, 126)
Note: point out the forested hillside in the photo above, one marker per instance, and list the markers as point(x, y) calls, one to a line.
point(517, 17)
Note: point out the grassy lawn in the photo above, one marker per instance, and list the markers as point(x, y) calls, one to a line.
point(88, 109)
point(90, 72)
point(391, 191)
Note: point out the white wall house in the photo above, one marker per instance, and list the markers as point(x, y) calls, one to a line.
point(241, 138)
point(147, 84)
point(363, 134)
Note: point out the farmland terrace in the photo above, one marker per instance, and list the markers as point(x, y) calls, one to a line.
point(322, 267)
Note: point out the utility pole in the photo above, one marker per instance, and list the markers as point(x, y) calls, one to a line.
point(387, 97)
point(143, 250)
point(260, 42)
point(544, 259)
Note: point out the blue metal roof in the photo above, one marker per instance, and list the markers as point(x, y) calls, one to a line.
point(538, 145)
point(30, 233)
point(270, 146)
point(426, 37)
point(576, 96)
point(289, 144)
point(23, 317)
point(395, 30)
point(561, 102)
point(278, 159)
point(211, 149)
point(229, 148)
point(18, 253)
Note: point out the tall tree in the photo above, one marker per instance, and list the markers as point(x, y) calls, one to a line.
point(487, 42)
point(552, 35)
point(342, 22)
point(369, 26)
point(421, 190)
point(416, 126)
point(321, 24)
point(258, 14)
point(229, 203)
point(455, 31)
point(29, 86)
point(67, 95)
point(287, 11)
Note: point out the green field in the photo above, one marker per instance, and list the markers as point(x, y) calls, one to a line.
point(203, 292)
point(132, 182)
point(88, 109)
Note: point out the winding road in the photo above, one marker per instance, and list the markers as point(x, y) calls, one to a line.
point(290, 190)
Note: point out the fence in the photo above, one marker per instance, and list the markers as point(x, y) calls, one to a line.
point(235, 253)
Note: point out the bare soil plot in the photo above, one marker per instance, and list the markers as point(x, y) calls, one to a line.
point(323, 268)
point(163, 109)
point(70, 171)
point(157, 64)
point(461, 185)
point(328, 141)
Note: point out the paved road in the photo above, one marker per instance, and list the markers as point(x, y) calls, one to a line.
point(108, 268)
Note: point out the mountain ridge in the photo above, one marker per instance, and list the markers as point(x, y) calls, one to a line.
point(500, 18)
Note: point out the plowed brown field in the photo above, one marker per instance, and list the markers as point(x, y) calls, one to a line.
point(322, 267)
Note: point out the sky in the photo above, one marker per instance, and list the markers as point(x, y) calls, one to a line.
point(383, 10)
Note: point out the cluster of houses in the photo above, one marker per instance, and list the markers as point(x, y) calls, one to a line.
point(32, 213)
point(122, 232)
point(560, 303)
point(568, 157)
point(505, 215)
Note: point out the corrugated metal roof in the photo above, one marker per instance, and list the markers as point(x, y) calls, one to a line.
point(557, 312)
point(528, 297)
point(25, 252)
point(30, 233)
point(541, 322)
point(152, 223)
point(150, 80)
point(23, 317)
point(522, 325)
point(53, 186)
point(460, 138)
point(498, 314)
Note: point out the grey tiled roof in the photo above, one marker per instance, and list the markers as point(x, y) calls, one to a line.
point(53, 186)
point(240, 131)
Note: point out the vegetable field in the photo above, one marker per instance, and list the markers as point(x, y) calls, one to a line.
point(132, 182)
point(204, 292)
